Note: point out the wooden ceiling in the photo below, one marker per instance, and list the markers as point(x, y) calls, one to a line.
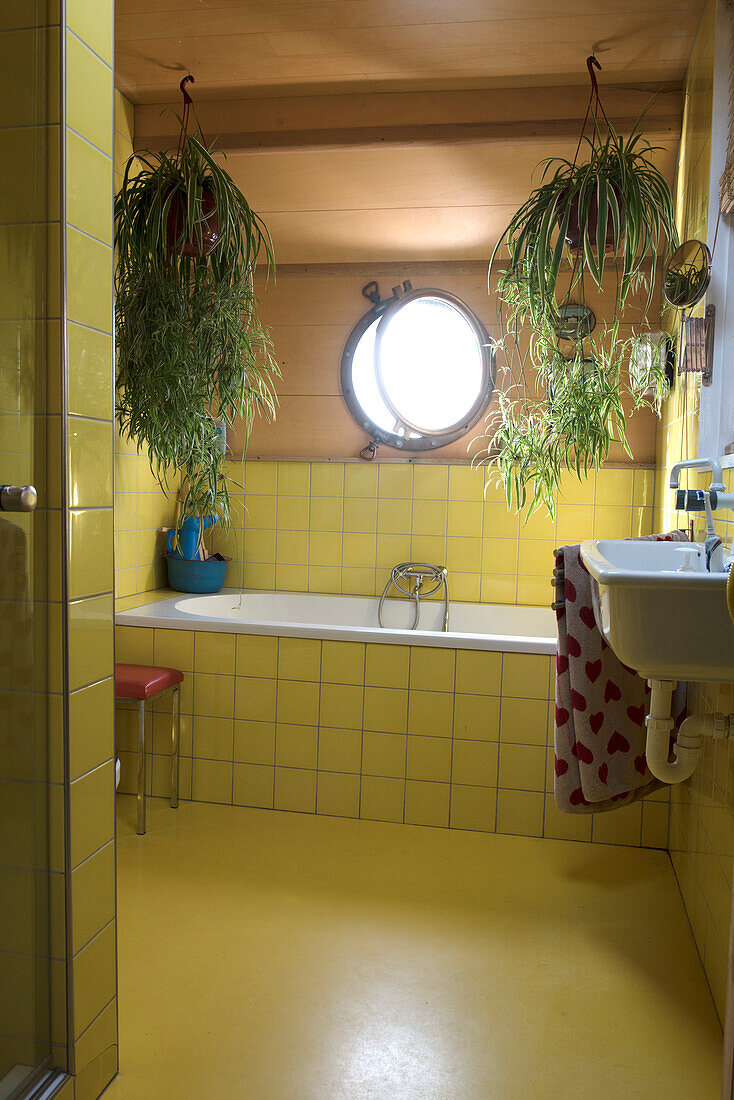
point(264, 47)
point(373, 130)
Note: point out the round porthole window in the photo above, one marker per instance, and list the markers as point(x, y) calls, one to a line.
point(418, 371)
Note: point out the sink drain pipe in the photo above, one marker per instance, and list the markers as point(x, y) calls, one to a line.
point(688, 742)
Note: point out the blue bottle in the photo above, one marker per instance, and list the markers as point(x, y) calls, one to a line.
point(189, 534)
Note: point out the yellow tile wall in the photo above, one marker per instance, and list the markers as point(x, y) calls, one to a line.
point(88, 239)
point(702, 842)
point(339, 527)
point(452, 738)
point(677, 430)
point(59, 391)
point(702, 817)
point(702, 809)
point(32, 946)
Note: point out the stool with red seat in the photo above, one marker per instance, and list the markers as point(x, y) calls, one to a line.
point(142, 683)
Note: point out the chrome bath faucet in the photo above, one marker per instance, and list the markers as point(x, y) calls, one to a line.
point(410, 577)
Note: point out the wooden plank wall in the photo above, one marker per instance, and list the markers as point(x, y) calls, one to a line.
point(311, 311)
point(427, 204)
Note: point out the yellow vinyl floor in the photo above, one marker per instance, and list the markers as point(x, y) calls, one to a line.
point(283, 956)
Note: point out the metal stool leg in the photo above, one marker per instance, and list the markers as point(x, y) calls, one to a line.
point(141, 768)
point(175, 744)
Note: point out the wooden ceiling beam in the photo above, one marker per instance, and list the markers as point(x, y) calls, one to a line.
point(334, 122)
point(378, 270)
point(428, 134)
point(385, 269)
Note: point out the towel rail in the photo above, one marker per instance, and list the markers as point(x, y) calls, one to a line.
point(558, 581)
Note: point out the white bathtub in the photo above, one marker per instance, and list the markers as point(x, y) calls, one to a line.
point(353, 618)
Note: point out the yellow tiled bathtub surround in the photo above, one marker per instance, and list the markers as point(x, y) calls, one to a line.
point(414, 734)
point(339, 527)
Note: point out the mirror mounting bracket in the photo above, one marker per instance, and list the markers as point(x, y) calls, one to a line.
point(696, 352)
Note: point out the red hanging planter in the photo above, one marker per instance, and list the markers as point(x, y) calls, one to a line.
point(575, 229)
point(195, 244)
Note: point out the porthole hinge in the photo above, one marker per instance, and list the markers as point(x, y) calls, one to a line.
point(401, 290)
point(371, 291)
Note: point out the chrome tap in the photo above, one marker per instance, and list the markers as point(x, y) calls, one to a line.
point(415, 575)
point(711, 464)
point(704, 500)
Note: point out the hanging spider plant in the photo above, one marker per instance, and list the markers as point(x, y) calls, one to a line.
point(615, 201)
point(191, 349)
point(608, 218)
point(565, 412)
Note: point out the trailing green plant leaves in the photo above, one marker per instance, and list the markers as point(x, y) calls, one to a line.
point(190, 347)
point(572, 422)
point(564, 406)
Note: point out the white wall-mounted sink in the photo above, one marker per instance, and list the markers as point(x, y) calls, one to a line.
point(660, 610)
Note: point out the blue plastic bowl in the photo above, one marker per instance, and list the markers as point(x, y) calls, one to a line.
point(186, 575)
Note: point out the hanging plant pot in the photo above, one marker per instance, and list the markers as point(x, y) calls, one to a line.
point(575, 229)
point(193, 245)
point(196, 576)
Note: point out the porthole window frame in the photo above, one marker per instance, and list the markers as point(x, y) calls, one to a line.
point(429, 441)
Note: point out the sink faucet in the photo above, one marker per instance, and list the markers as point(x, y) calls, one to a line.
point(711, 464)
point(706, 500)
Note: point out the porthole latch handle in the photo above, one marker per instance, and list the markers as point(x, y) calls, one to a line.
point(369, 451)
point(371, 292)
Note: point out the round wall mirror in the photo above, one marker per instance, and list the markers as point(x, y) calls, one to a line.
point(418, 372)
point(575, 322)
point(687, 274)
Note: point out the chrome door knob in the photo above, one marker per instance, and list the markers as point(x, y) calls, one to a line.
point(18, 498)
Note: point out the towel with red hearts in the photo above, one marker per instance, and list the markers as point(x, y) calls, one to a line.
point(601, 704)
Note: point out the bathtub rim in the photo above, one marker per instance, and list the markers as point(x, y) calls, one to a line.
point(163, 615)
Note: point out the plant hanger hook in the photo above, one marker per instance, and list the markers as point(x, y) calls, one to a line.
point(188, 107)
point(594, 104)
point(187, 104)
point(186, 97)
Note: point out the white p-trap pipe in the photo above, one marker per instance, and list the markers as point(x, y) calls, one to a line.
point(688, 742)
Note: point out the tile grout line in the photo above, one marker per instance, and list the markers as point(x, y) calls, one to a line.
point(275, 713)
point(361, 737)
point(453, 721)
point(318, 723)
point(499, 744)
